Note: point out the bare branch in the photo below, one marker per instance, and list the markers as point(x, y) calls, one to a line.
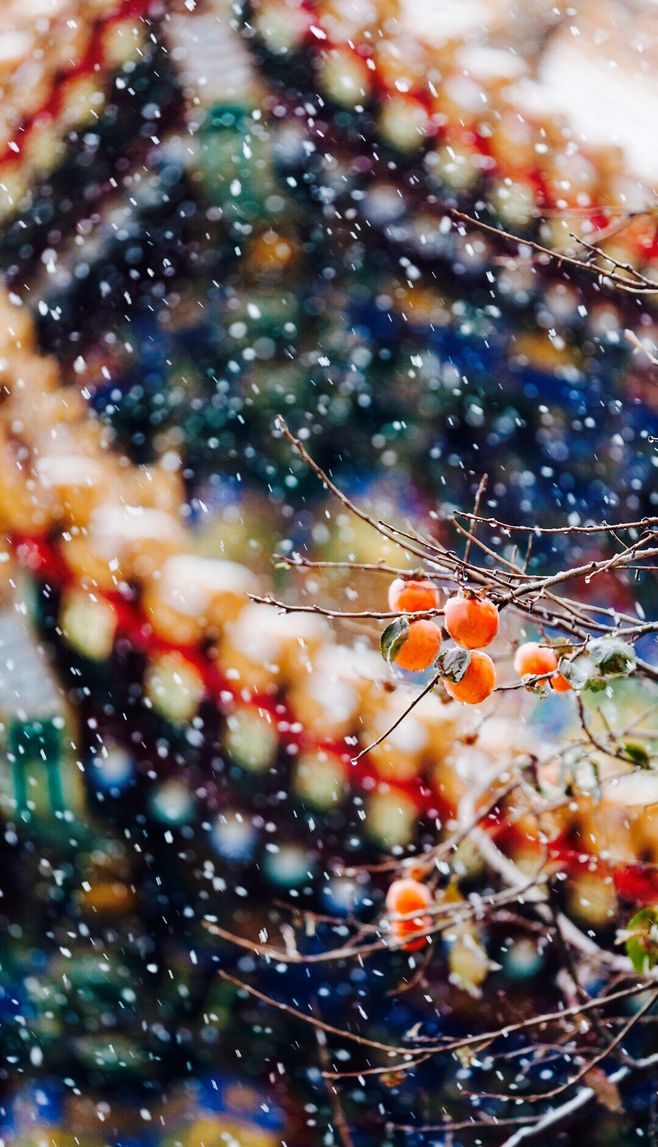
point(637, 284)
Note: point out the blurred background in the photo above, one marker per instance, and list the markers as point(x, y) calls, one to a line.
point(213, 214)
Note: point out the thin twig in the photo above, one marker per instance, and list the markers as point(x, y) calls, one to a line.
point(391, 729)
point(638, 285)
point(339, 1117)
point(476, 510)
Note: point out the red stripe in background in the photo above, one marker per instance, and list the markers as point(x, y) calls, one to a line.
point(93, 61)
point(43, 560)
point(635, 882)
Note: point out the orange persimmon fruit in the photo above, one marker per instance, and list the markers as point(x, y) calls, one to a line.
point(405, 896)
point(477, 683)
point(421, 646)
point(560, 684)
point(412, 596)
point(471, 621)
point(534, 660)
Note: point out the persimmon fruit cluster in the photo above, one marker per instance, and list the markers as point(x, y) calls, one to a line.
point(472, 621)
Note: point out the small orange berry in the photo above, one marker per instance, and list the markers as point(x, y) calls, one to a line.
point(534, 660)
point(421, 647)
point(409, 596)
point(405, 896)
point(477, 683)
point(471, 622)
point(400, 929)
point(560, 684)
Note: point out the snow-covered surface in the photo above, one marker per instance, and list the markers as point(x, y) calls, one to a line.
point(28, 686)
point(604, 77)
point(210, 56)
point(438, 23)
point(596, 65)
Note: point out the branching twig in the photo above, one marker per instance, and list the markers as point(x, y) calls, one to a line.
point(637, 283)
point(569, 624)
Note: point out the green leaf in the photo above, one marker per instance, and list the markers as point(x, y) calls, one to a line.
point(596, 684)
point(641, 935)
point(612, 656)
point(393, 638)
point(638, 754)
point(563, 648)
point(453, 662)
